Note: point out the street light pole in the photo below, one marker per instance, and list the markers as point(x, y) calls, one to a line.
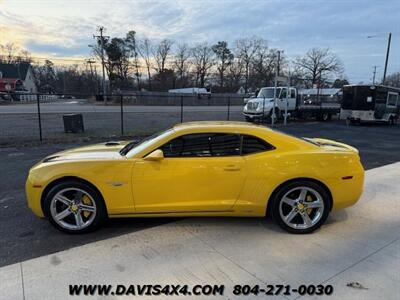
point(387, 53)
point(387, 57)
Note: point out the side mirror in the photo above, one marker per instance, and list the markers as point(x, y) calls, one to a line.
point(156, 155)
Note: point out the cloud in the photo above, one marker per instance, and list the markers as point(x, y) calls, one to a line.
point(66, 27)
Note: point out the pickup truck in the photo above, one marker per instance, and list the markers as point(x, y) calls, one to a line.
point(261, 107)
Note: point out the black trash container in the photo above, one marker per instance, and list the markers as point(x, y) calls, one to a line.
point(73, 123)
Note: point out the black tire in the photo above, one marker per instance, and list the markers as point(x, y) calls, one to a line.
point(392, 121)
point(282, 191)
point(100, 214)
point(277, 115)
point(353, 122)
point(248, 119)
point(324, 116)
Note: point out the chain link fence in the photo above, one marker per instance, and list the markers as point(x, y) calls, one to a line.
point(27, 118)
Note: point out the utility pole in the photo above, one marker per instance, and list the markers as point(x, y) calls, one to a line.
point(102, 37)
point(374, 72)
point(90, 62)
point(273, 116)
point(387, 57)
point(279, 59)
point(64, 81)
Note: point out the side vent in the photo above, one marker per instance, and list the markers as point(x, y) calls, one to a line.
point(112, 143)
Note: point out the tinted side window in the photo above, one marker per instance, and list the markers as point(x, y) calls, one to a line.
point(200, 145)
point(252, 144)
point(173, 148)
point(225, 145)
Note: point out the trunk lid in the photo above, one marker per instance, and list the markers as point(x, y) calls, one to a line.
point(332, 145)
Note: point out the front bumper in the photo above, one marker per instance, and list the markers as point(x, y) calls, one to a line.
point(33, 193)
point(253, 114)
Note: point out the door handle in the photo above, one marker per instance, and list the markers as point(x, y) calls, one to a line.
point(232, 168)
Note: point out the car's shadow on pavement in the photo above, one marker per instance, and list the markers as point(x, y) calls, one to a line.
point(132, 224)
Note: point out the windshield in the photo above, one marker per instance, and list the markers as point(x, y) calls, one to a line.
point(269, 92)
point(139, 146)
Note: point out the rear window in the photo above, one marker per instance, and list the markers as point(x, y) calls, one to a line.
point(252, 144)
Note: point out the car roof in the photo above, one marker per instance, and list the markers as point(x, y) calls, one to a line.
point(215, 125)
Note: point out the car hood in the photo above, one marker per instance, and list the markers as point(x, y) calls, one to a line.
point(109, 150)
point(261, 100)
point(332, 145)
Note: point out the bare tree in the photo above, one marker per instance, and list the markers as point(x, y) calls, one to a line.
point(247, 48)
point(203, 60)
point(263, 66)
point(132, 45)
point(145, 51)
point(224, 57)
point(235, 73)
point(161, 53)
point(8, 52)
point(24, 56)
point(182, 63)
point(319, 63)
point(393, 79)
point(297, 76)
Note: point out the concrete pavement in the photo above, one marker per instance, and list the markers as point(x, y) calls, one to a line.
point(358, 246)
point(20, 229)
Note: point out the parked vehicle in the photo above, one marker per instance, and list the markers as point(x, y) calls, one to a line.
point(199, 169)
point(261, 107)
point(250, 96)
point(370, 103)
point(200, 92)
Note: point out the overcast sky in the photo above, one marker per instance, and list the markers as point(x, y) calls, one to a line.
point(64, 28)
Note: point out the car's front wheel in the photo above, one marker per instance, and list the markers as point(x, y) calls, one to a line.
point(74, 207)
point(301, 206)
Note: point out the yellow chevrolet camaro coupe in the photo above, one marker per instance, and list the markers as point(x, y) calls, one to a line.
point(229, 169)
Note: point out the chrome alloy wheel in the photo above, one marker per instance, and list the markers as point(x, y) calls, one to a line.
point(301, 207)
point(73, 208)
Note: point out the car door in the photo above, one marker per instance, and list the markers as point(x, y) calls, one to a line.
point(290, 101)
point(199, 172)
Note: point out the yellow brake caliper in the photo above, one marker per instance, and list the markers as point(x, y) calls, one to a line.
point(86, 200)
point(309, 199)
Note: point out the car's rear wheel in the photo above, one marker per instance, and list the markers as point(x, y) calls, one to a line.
point(325, 116)
point(301, 206)
point(74, 207)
